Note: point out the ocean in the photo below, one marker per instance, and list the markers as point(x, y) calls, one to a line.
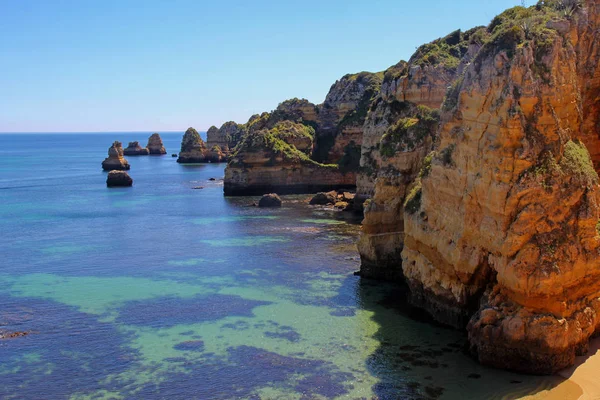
point(163, 291)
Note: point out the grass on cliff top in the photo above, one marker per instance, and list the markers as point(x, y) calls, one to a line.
point(372, 83)
point(273, 141)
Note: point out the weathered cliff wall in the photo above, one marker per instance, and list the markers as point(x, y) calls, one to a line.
point(400, 131)
point(269, 160)
point(501, 228)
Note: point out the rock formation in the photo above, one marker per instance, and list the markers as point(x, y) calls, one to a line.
point(155, 145)
point(323, 198)
point(118, 179)
point(115, 159)
point(497, 227)
point(227, 137)
point(215, 155)
point(134, 149)
point(331, 150)
point(193, 148)
point(267, 162)
point(269, 201)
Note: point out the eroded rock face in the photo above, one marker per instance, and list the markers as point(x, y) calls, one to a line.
point(227, 137)
point(118, 179)
point(193, 148)
point(155, 145)
point(115, 159)
point(400, 131)
point(500, 223)
point(268, 161)
point(134, 149)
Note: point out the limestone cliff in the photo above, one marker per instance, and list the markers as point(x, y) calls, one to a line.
point(400, 130)
point(271, 160)
point(501, 223)
point(227, 137)
point(193, 148)
point(336, 138)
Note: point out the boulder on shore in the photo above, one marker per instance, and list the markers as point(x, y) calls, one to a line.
point(270, 200)
point(323, 198)
point(118, 179)
point(115, 159)
point(134, 149)
point(155, 145)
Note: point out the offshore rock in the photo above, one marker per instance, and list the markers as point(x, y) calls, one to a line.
point(134, 149)
point(323, 198)
point(193, 148)
point(115, 159)
point(118, 179)
point(155, 145)
point(215, 155)
point(270, 200)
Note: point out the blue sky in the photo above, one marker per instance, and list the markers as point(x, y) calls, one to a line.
point(160, 65)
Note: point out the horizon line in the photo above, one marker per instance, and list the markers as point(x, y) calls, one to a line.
point(44, 132)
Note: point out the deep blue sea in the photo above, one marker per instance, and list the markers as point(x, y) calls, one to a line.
point(162, 291)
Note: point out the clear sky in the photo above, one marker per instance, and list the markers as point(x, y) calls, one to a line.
point(160, 65)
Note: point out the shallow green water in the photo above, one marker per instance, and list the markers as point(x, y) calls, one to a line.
point(161, 291)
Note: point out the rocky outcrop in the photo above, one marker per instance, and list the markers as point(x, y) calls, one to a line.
point(134, 149)
point(115, 159)
point(498, 225)
point(400, 131)
point(226, 138)
point(267, 162)
point(339, 132)
point(215, 155)
point(155, 145)
point(118, 179)
point(323, 198)
point(193, 148)
point(270, 200)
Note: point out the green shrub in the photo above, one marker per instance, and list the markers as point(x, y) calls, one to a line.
point(412, 203)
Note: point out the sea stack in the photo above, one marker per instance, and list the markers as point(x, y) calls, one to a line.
point(115, 159)
point(155, 145)
point(193, 148)
point(118, 179)
point(134, 149)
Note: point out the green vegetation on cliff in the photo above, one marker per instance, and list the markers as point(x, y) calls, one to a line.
point(409, 132)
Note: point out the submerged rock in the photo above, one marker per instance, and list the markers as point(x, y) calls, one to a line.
point(193, 148)
point(118, 179)
point(155, 145)
point(115, 159)
point(134, 149)
point(270, 200)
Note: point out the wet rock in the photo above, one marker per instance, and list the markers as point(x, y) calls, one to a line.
point(270, 200)
point(118, 179)
point(115, 159)
point(155, 145)
point(323, 198)
point(12, 335)
point(134, 149)
point(173, 155)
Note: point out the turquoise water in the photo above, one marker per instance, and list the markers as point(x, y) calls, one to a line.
point(161, 291)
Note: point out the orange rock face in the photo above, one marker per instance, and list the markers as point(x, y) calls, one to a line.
point(504, 235)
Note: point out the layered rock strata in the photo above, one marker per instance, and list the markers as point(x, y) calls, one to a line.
point(399, 133)
point(226, 138)
point(134, 149)
point(115, 159)
point(501, 231)
point(267, 162)
point(155, 145)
